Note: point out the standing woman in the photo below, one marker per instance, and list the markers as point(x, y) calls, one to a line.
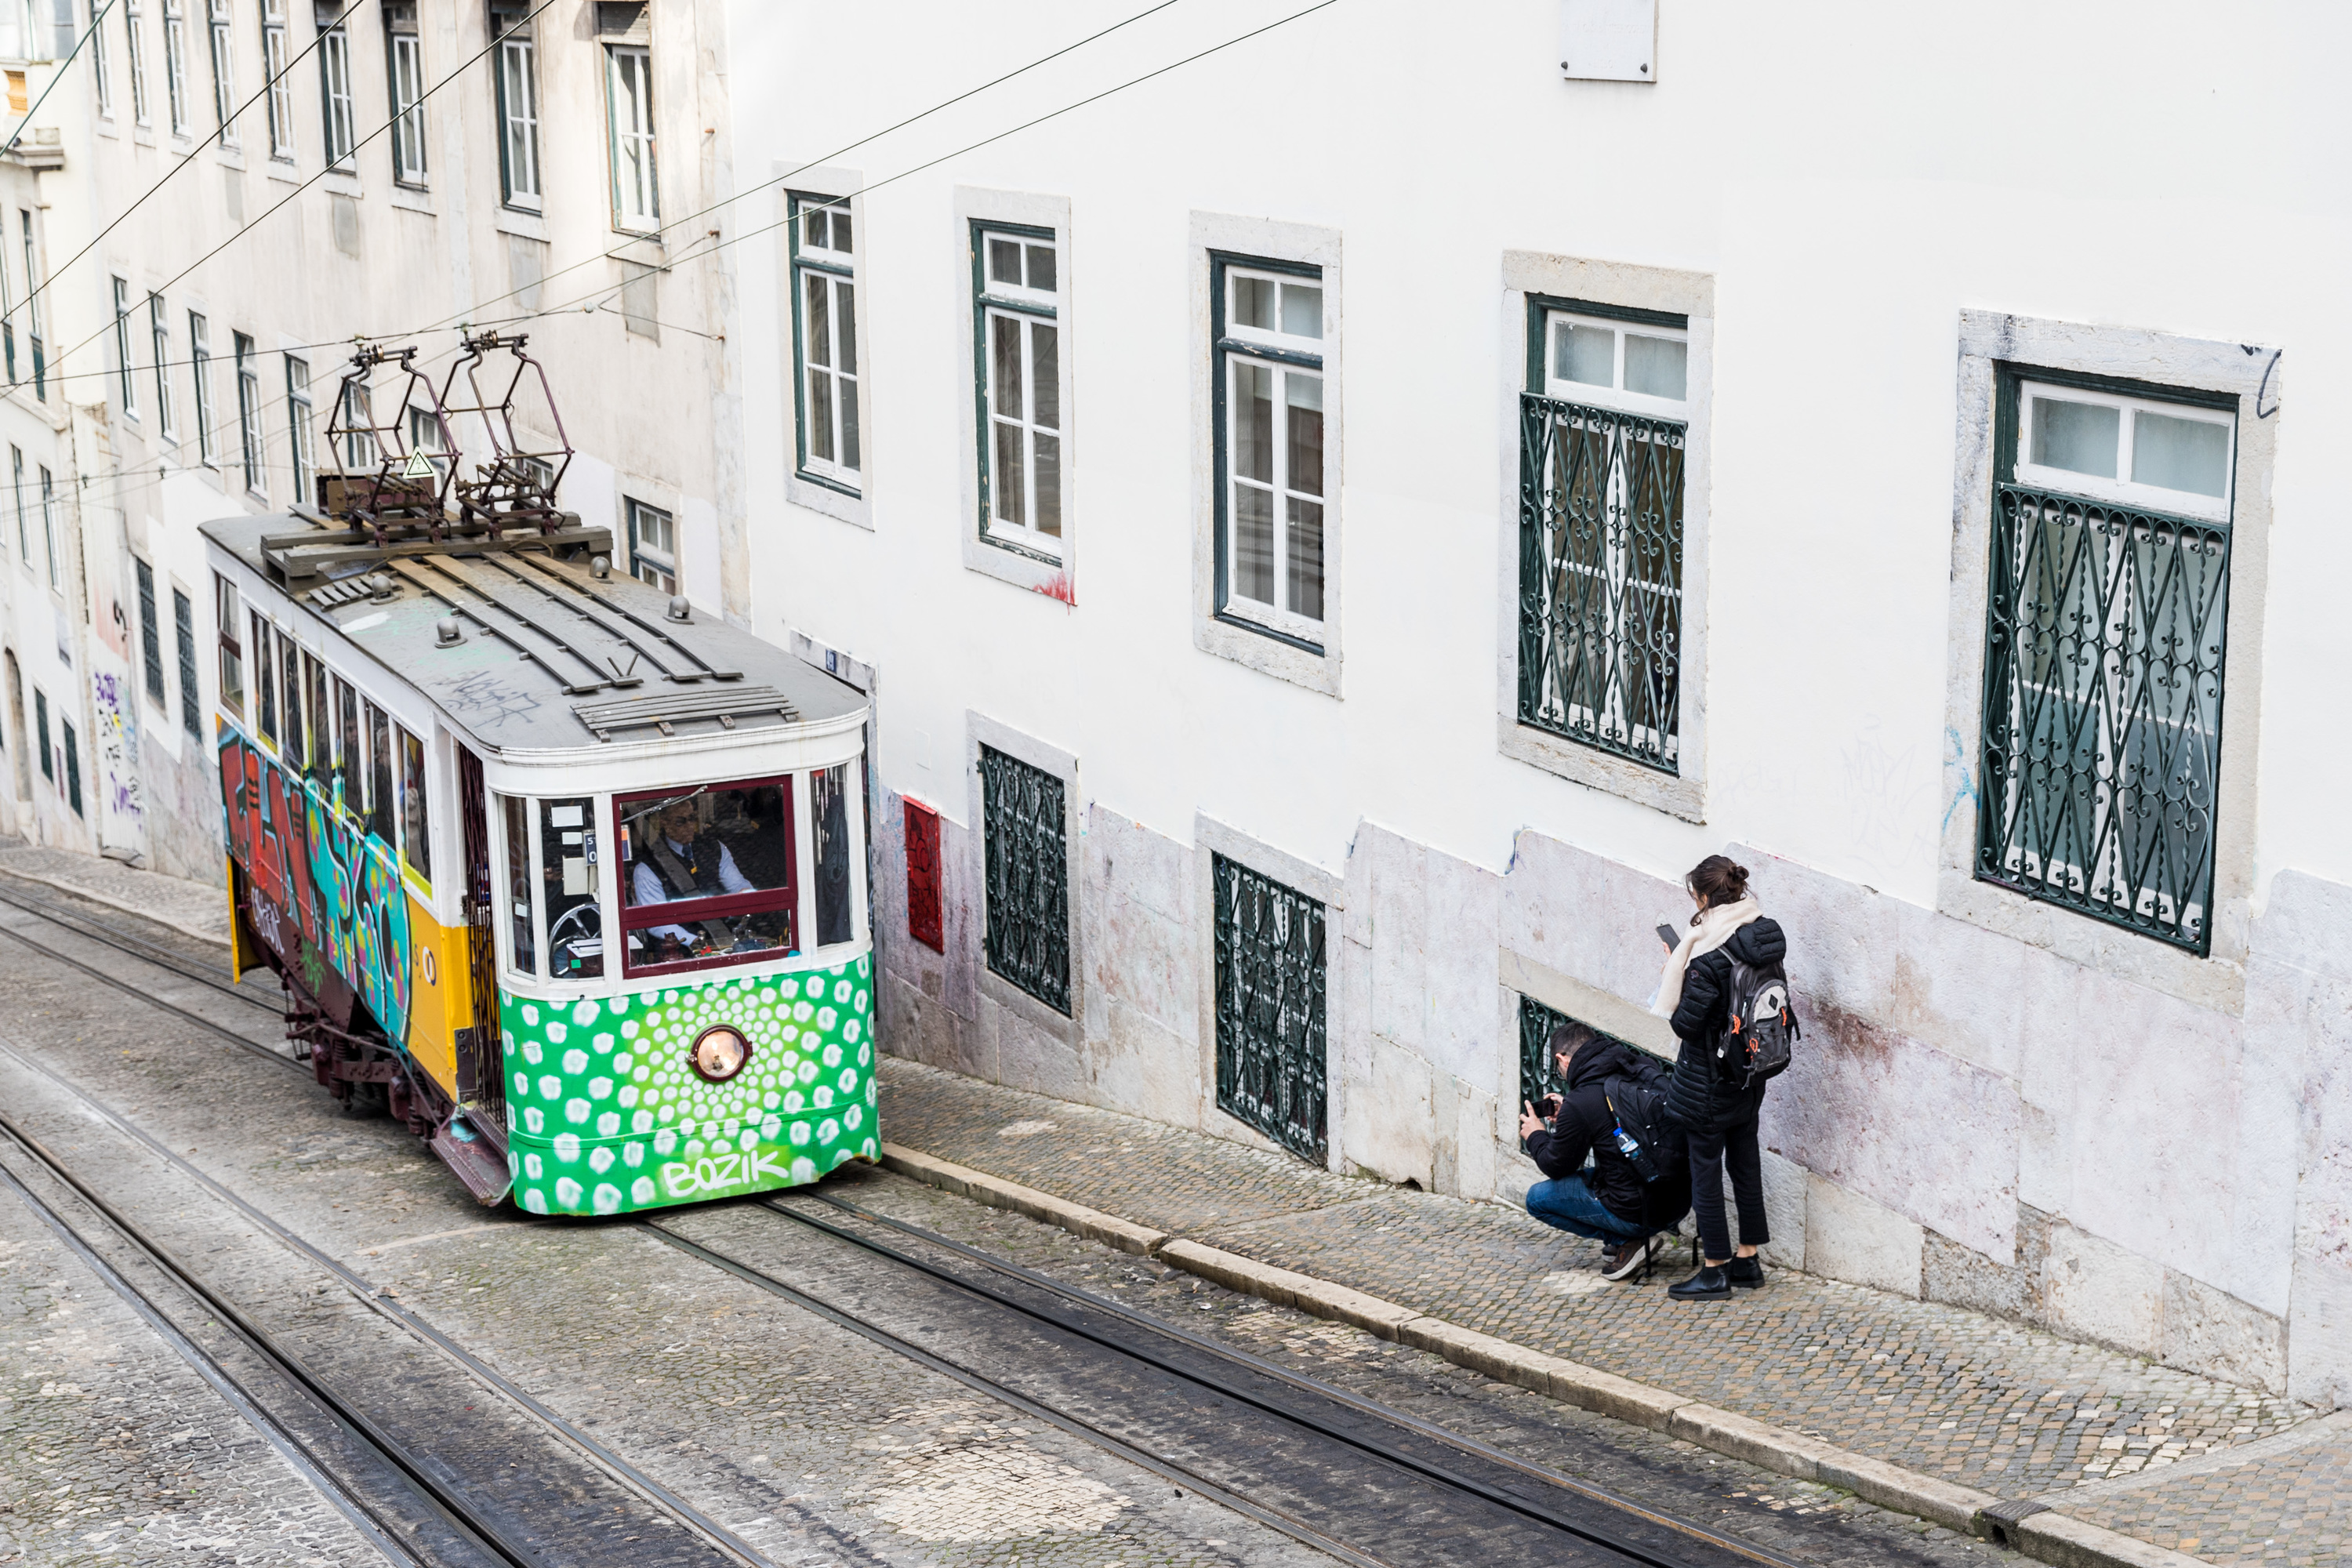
point(1708, 1098)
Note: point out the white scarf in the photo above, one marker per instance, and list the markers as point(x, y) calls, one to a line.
point(1714, 928)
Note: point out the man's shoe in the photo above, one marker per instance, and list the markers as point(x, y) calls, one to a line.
point(1629, 1256)
point(1706, 1284)
point(1747, 1273)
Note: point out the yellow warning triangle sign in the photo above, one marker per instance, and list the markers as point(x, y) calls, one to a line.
point(419, 467)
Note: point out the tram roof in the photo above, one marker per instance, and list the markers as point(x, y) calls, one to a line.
point(550, 657)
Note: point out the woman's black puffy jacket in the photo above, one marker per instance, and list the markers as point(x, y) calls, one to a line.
point(1703, 1098)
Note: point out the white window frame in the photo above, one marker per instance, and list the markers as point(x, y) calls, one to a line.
point(637, 182)
point(405, 64)
point(1613, 395)
point(282, 85)
point(175, 63)
point(133, 30)
point(159, 333)
point(662, 558)
point(2122, 489)
point(50, 527)
point(126, 368)
point(300, 411)
point(1285, 365)
point(517, 84)
point(338, 127)
point(200, 368)
point(102, 79)
point(834, 272)
point(1028, 310)
point(221, 40)
point(251, 449)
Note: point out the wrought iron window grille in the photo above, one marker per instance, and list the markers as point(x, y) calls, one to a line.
point(2105, 634)
point(1025, 829)
point(1538, 1076)
point(1272, 1067)
point(1601, 575)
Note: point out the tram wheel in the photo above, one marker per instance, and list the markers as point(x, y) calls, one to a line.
point(365, 1099)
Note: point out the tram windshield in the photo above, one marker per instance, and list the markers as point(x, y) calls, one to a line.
point(707, 874)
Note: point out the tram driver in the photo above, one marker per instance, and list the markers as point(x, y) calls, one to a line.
point(681, 858)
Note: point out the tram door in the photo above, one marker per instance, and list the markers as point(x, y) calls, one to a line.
point(481, 1066)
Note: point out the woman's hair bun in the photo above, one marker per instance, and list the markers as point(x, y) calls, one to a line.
point(1718, 881)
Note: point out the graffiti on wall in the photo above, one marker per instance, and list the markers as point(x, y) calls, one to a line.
point(336, 886)
point(122, 800)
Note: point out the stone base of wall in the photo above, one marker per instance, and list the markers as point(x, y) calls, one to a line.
point(1968, 1120)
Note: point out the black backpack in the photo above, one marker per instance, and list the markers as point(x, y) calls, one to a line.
point(1761, 1027)
point(1651, 1145)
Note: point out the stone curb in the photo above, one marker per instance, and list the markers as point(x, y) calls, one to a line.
point(79, 891)
point(2052, 1537)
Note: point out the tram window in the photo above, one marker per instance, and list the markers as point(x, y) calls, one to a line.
point(829, 820)
point(265, 680)
point(232, 653)
point(526, 954)
point(379, 730)
point(290, 660)
point(322, 725)
point(567, 875)
point(350, 764)
point(721, 857)
point(415, 823)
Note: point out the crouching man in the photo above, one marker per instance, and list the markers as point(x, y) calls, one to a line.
point(1637, 1186)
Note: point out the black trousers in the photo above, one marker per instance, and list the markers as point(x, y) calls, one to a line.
point(1711, 1154)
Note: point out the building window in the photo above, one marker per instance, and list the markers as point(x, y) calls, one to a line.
point(102, 79)
point(653, 546)
point(175, 63)
point(134, 30)
point(824, 340)
point(248, 416)
point(1603, 427)
point(24, 517)
point(1017, 292)
point(232, 651)
point(335, 95)
point(1024, 829)
point(159, 332)
point(41, 725)
point(1267, 321)
point(298, 415)
point(200, 368)
point(1538, 1074)
point(126, 379)
point(709, 877)
point(281, 83)
point(407, 53)
point(2106, 626)
point(1270, 1008)
point(184, 621)
point(220, 26)
point(73, 766)
point(518, 81)
point(629, 102)
point(49, 529)
point(151, 633)
point(33, 303)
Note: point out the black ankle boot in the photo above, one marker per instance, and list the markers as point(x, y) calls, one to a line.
point(1707, 1284)
point(1747, 1273)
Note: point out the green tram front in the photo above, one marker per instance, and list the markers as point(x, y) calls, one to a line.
point(576, 872)
point(685, 982)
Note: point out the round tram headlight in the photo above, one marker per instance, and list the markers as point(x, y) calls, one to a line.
point(719, 1053)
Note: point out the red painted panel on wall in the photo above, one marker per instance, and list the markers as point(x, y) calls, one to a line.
point(923, 876)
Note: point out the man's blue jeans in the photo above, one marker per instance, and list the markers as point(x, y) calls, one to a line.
point(1569, 1205)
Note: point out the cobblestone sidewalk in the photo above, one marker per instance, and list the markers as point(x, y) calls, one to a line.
point(198, 908)
point(1976, 1400)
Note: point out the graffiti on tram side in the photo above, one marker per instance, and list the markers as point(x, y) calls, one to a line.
point(606, 1112)
point(337, 887)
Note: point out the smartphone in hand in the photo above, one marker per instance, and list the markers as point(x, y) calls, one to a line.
point(1672, 938)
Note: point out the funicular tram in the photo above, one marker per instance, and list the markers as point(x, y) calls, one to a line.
point(565, 875)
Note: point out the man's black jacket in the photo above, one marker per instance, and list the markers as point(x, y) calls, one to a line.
point(1585, 1125)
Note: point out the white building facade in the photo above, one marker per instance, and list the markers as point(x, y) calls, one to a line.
point(208, 203)
point(1337, 529)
